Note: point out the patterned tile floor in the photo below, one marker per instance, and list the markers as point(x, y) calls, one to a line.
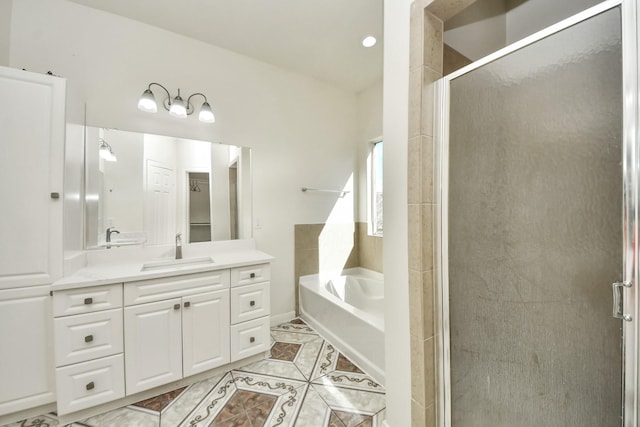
point(305, 383)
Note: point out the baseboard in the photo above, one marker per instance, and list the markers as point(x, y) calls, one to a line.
point(27, 413)
point(277, 319)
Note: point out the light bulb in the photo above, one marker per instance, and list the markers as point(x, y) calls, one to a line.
point(147, 102)
point(177, 108)
point(206, 115)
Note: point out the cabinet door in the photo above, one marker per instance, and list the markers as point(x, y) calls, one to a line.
point(153, 344)
point(205, 319)
point(26, 359)
point(32, 130)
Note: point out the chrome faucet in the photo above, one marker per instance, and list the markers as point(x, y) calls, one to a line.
point(110, 231)
point(179, 246)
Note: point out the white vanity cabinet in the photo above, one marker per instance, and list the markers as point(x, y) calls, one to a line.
point(182, 332)
point(250, 309)
point(88, 346)
point(122, 342)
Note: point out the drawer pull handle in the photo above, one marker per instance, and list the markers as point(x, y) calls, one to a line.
point(252, 303)
point(88, 301)
point(252, 275)
point(252, 339)
point(187, 304)
point(88, 338)
point(176, 306)
point(90, 386)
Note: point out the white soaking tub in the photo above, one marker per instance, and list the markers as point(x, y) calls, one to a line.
point(348, 310)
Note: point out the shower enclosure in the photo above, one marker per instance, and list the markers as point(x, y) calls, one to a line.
point(538, 165)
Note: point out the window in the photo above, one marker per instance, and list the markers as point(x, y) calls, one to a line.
point(375, 190)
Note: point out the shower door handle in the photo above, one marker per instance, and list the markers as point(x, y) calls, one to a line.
point(618, 302)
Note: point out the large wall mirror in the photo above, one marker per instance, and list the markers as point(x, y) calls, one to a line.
point(143, 189)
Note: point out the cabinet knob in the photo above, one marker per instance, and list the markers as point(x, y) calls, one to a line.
point(90, 386)
point(176, 306)
point(252, 275)
point(252, 339)
point(187, 304)
point(252, 303)
point(88, 301)
point(88, 338)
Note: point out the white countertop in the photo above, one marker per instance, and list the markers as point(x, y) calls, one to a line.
point(103, 272)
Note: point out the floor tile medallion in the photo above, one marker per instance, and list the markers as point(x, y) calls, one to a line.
point(241, 398)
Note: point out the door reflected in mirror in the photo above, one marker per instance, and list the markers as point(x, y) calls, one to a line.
point(149, 187)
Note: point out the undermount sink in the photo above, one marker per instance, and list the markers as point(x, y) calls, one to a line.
point(177, 263)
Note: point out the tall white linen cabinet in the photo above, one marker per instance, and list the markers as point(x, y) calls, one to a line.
point(32, 132)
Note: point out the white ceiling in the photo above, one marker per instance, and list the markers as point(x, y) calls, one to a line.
point(318, 38)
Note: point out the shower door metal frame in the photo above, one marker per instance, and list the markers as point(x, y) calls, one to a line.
point(630, 14)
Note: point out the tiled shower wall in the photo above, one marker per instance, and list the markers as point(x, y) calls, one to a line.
point(334, 247)
point(428, 58)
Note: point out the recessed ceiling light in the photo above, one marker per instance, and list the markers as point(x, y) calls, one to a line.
point(369, 41)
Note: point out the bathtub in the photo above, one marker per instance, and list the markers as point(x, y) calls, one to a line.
point(348, 310)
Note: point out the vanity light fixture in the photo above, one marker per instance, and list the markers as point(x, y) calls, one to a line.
point(175, 105)
point(106, 152)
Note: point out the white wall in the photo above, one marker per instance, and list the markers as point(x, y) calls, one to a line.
point(302, 131)
point(369, 128)
point(395, 243)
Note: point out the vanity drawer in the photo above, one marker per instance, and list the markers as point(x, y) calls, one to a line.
point(250, 274)
point(152, 290)
point(87, 336)
point(89, 384)
point(250, 338)
point(87, 300)
point(250, 302)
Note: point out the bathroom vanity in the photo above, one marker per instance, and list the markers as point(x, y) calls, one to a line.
point(127, 331)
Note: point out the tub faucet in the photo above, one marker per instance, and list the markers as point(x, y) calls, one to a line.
point(110, 231)
point(179, 246)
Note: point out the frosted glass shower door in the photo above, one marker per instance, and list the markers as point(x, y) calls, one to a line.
point(535, 233)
